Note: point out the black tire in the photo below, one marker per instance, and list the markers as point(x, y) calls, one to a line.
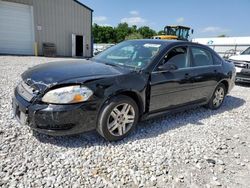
point(105, 116)
point(211, 104)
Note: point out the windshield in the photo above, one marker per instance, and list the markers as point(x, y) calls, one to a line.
point(246, 52)
point(183, 33)
point(171, 31)
point(130, 54)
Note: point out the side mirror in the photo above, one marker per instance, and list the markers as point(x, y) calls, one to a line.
point(192, 31)
point(167, 67)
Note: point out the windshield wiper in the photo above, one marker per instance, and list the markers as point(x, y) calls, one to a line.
point(111, 64)
point(120, 65)
point(130, 66)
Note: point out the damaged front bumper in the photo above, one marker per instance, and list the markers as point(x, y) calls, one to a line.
point(56, 120)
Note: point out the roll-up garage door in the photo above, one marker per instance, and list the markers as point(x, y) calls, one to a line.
point(16, 29)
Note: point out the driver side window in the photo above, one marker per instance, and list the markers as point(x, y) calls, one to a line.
point(178, 57)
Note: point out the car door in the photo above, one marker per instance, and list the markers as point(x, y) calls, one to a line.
point(205, 72)
point(171, 88)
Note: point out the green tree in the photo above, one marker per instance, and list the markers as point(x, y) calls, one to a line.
point(122, 30)
point(134, 36)
point(161, 32)
point(134, 29)
point(146, 32)
point(103, 34)
point(107, 34)
point(95, 31)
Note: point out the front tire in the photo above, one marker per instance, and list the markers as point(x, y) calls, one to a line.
point(117, 118)
point(218, 97)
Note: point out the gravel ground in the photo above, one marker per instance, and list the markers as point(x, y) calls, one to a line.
point(196, 148)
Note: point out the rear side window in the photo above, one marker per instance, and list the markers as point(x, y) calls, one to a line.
point(201, 57)
point(217, 60)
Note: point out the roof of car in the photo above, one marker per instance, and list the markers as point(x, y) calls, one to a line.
point(171, 42)
point(166, 42)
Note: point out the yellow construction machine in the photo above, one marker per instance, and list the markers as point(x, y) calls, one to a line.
point(175, 33)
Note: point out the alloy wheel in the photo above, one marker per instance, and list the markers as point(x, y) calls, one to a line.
point(121, 119)
point(218, 97)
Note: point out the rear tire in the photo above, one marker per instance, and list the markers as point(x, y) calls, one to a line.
point(217, 97)
point(117, 118)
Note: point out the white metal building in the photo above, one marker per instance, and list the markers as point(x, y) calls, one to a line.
point(223, 45)
point(26, 24)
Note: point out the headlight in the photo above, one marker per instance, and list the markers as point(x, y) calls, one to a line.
point(68, 95)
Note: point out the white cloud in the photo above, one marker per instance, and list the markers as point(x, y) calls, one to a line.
point(101, 20)
point(134, 12)
point(98, 19)
point(105, 24)
point(180, 20)
point(136, 20)
point(213, 29)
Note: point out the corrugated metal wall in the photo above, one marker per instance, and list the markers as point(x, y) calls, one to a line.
point(56, 20)
point(28, 2)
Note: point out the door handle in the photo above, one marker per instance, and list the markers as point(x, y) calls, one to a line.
point(187, 76)
point(215, 71)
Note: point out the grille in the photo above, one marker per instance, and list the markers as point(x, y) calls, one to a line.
point(56, 127)
point(27, 92)
point(242, 64)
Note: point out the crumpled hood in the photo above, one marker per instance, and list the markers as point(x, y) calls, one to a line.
point(50, 74)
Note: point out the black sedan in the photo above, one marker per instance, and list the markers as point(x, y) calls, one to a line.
point(132, 81)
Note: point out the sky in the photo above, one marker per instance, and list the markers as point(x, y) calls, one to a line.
point(208, 18)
